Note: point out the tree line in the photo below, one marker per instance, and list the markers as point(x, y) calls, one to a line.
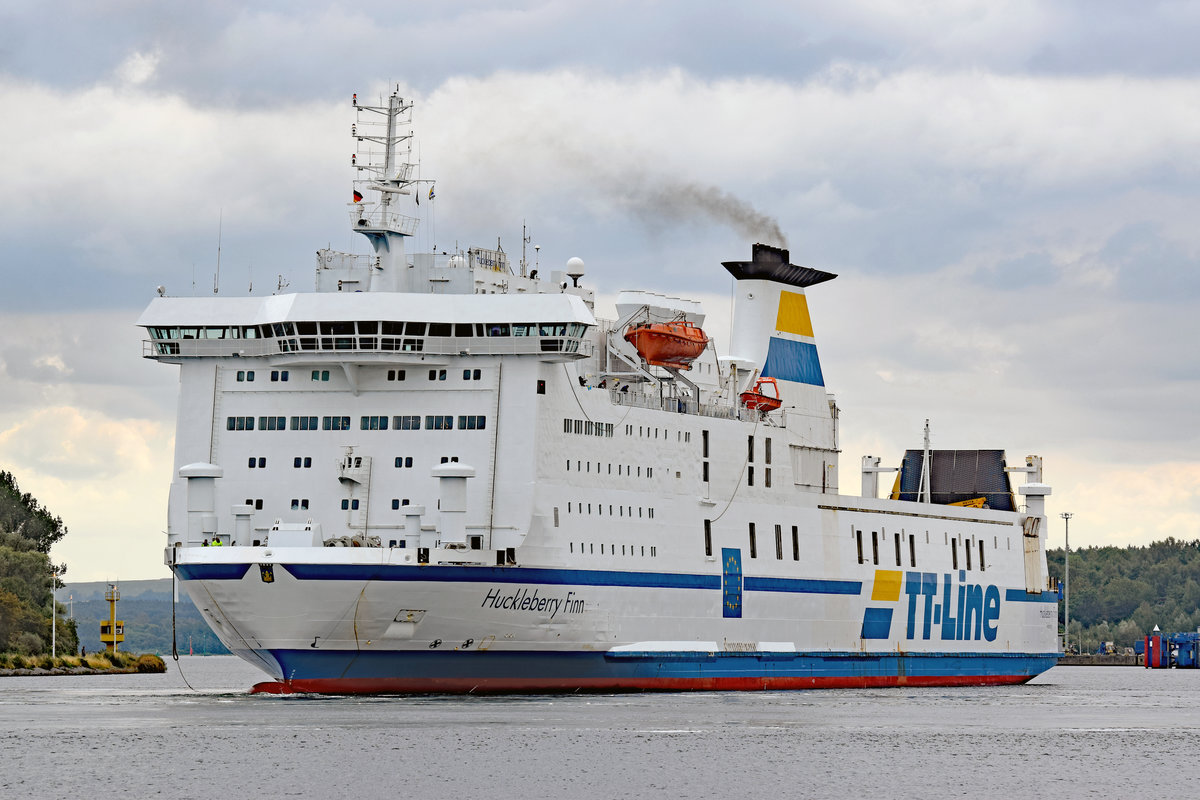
point(1118, 594)
point(27, 532)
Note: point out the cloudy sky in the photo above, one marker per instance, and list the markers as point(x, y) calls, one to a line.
point(1009, 193)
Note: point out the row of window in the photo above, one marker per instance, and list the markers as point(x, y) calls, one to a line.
point(433, 422)
point(622, 469)
point(621, 511)
point(585, 427)
point(647, 432)
point(371, 328)
point(754, 541)
point(589, 548)
point(879, 540)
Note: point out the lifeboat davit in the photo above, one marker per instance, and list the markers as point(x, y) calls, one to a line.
point(668, 344)
point(763, 397)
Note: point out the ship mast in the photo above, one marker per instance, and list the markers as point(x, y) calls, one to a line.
point(379, 132)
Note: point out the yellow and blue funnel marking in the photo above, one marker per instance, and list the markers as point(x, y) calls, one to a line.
point(791, 352)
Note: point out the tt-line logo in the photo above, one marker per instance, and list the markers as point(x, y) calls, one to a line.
point(955, 610)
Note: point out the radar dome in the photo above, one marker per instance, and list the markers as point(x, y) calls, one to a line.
point(575, 267)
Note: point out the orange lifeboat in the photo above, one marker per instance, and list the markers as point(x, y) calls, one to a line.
point(668, 344)
point(759, 398)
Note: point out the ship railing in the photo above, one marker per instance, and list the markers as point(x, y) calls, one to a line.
point(552, 348)
point(200, 348)
point(383, 220)
point(675, 405)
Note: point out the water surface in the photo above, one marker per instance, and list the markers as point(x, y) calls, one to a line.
point(1074, 732)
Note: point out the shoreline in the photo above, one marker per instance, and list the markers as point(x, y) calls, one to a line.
point(15, 666)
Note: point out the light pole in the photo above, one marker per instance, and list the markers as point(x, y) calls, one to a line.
point(53, 612)
point(1066, 515)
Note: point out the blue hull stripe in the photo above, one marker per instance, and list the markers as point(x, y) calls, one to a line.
point(318, 664)
point(211, 572)
point(556, 577)
point(560, 577)
point(803, 586)
point(1021, 596)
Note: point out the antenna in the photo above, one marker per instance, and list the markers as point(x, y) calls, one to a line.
point(525, 239)
point(250, 270)
point(217, 276)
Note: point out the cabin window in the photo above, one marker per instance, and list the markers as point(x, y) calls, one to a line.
point(753, 542)
point(749, 476)
point(954, 553)
point(858, 538)
point(912, 550)
point(406, 423)
point(708, 537)
point(472, 423)
point(440, 329)
point(875, 547)
point(981, 555)
point(396, 374)
point(767, 451)
point(795, 543)
point(304, 424)
point(899, 562)
point(541, 387)
point(779, 543)
point(967, 552)
point(749, 448)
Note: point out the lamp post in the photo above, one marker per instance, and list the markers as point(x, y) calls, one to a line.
point(53, 612)
point(1066, 515)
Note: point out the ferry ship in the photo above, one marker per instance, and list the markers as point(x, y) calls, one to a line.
point(441, 472)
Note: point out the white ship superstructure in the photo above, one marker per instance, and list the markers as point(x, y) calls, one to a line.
point(440, 473)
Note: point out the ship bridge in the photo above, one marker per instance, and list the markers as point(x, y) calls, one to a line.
point(552, 327)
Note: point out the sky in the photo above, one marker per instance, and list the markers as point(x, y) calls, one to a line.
point(1008, 193)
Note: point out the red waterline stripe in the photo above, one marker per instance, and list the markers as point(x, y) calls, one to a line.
point(571, 685)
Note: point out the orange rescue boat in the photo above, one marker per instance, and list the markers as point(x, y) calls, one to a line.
point(758, 398)
point(668, 344)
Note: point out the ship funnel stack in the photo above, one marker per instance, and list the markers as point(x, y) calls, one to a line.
point(452, 503)
point(772, 331)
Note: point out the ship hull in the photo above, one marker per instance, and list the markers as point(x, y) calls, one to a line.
point(365, 628)
point(349, 672)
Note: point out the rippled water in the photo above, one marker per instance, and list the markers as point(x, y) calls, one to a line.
point(1074, 732)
